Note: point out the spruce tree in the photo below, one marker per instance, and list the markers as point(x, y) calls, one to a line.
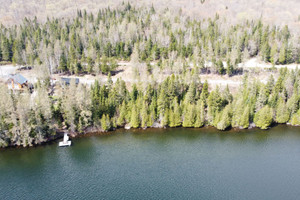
point(165, 119)
point(225, 119)
point(274, 55)
point(264, 117)
point(122, 115)
point(200, 114)
point(135, 118)
point(282, 113)
point(177, 113)
point(144, 115)
point(105, 122)
point(282, 54)
point(189, 116)
point(6, 50)
point(204, 93)
point(295, 119)
point(245, 118)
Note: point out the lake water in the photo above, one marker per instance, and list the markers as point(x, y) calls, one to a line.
point(159, 164)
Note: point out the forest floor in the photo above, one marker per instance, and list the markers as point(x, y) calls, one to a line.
point(255, 69)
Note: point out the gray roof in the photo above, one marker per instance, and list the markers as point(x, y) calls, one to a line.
point(18, 78)
point(67, 81)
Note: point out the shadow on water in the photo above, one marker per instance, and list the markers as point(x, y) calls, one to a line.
point(24, 158)
point(162, 135)
point(84, 151)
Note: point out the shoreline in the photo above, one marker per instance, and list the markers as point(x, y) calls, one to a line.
point(100, 132)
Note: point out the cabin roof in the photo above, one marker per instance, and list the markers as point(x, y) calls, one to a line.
point(18, 78)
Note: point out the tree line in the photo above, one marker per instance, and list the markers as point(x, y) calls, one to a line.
point(27, 119)
point(93, 43)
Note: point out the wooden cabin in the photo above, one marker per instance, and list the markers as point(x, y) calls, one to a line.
point(16, 82)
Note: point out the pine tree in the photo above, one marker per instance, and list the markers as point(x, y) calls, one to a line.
point(282, 54)
point(274, 53)
point(282, 113)
point(151, 117)
point(189, 116)
point(295, 120)
point(204, 93)
point(229, 69)
point(264, 117)
point(6, 50)
point(63, 63)
point(262, 98)
point(225, 120)
point(105, 122)
point(177, 113)
point(200, 114)
point(171, 118)
point(144, 115)
point(122, 115)
point(17, 52)
point(134, 119)
point(190, 95)
point(245, 118)
point(0, 55)
point(293, 103)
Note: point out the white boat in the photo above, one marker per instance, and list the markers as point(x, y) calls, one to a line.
point(66, 142)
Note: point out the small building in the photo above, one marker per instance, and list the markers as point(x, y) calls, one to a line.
point(67, 81)
point(16, 82)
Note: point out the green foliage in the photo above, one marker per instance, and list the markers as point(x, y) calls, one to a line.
point(134, 119)
point(105, 122)
point(282, 54)
point(225, 119)
point(245, 118)
point(122, 115)
point(295, 120)
point(264, 117)
point(189, 116)
point(94, 44)
point(282, 113)
point(200, 114)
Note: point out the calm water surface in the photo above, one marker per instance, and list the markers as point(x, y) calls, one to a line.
point(159, 164)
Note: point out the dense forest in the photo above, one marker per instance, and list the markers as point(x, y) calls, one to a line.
point(27, 119)
point(94, 43)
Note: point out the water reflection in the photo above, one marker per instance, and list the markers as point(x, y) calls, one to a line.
point(30, 158)
point(160, 164)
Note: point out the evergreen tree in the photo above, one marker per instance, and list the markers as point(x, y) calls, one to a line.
point(264, 117)
point(295, 120)
point(274, 55)
point(229, 69)
point(165, 118)
point(122, 115)
point(282, 113)
point(225, 120)
point(144, 115)
point(200, 114)
point(17, 52)
point(204, 93)
point(189, 116)
point(6, 50)
point(282, 54)
point(134, 119)
point(105, 122)
point(245, 118)
point(62, 63)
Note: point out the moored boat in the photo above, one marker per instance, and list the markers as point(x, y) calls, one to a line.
point(66, 142)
